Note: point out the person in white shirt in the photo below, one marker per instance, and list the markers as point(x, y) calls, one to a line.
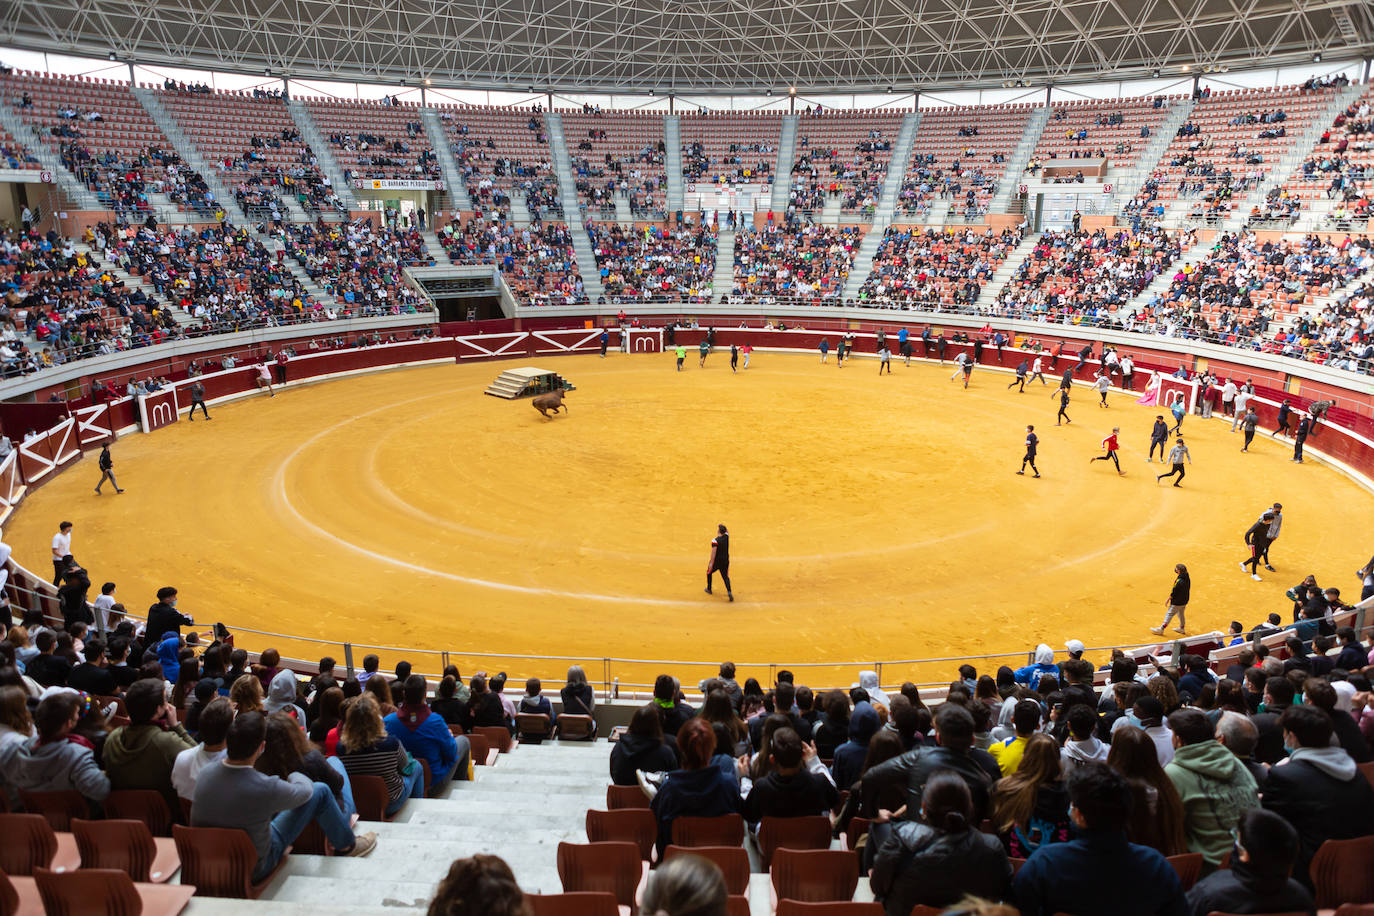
point(103, 605)
point(214, 728)
point(1242, 399)
point(61, 550)
point(1228, 398)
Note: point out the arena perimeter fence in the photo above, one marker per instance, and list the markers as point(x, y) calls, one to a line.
point(632, 679)
point(614, 677)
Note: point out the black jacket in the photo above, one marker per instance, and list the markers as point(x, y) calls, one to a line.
point(1179, 594)
point(801, 794)
point(1239, 890)
point(162, 619)
point(800, 725)
point(977, 768)
point(916, 863)
point(632, 753)
point(1320, 806)
point(92, 679)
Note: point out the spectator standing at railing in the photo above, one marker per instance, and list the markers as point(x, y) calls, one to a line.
point(163, 617)
point(61, 551)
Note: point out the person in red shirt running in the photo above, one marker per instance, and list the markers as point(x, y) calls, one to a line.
point(1111, 446)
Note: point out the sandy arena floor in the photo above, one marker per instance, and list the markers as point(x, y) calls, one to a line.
point(871, 518)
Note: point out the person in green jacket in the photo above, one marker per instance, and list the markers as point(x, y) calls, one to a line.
point(140, 755)
point(1215, 785)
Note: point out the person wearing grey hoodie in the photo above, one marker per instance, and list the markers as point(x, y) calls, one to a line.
point(1214, 784)
point(282, 696)
point(1082, 745)
point(1318, 788)
point(57, 760)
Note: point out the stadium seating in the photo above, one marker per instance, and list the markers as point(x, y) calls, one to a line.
point(960, 156)
point(844, 154)
point(503, 152)
point(729, 147)
point(618, 153)
point(376, 140)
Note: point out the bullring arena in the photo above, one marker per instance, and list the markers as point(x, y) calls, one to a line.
point(877, 514)
point(358, 619)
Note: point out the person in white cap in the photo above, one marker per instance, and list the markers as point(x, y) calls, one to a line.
point(1075, 647)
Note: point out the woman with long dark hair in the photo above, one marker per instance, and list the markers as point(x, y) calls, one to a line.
point(642, 748)
point(1030, 808)
point(286, 751)
point(1157, 812)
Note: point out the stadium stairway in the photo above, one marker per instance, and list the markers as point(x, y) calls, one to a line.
point(109, 263)
point(1007, 269)
point(1297, 152)
point(79, 197)
point(1019, 159)
point(623, 216)
point(448, 165)
point(1129, 183)
point(887, 206)
point(723, 280)
point(324, 155)
point(830, 213)
point(184, 146)
point(787, 154)
point(572, 210)
point(1194, 254)
point(672, 143)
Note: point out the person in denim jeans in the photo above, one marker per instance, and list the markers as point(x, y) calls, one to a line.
point(272, 811)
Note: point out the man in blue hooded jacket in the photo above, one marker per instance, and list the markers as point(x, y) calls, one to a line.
point(425, 735)
point(1044, 664)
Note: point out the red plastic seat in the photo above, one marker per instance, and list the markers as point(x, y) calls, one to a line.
point(576, 727)
point(31, 843)
point(615, 867)
point(533, 726)
point(733, 861)
point(633, 825)
point(107, 892)
point(370, 797)
point(815, 875)
point(626, 797)
point(146, 805)
point(497, 736)
point(811, 832)
point(57, 807)
point(573, 903)
point(832, 908)
point(219, 862)
point(723, 830)
point(1189, 868)
point(1343, 872)
point(126, 845)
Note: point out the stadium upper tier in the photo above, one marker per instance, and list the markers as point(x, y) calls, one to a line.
point(1240, 218)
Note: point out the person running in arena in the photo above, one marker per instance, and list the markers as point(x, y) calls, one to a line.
point(965, 365)
point(1248, 424)
point(1159, 438)
point(904, 344)
point(824, 347)
point(1176, 457)
point(884, 360)
point(1021, 369)
point(1037, 370)
point(1275, 526)
point(720, 561)
point(734, 358)
point(1032, 443)
point(681, 356)
point(1111, 445)
point(1178, 601)
point(1102, 383)
point(197, 400)
point(1179, 409)
point(107, 469)
point(704, 347)
point(1285, 413)
point(746, 350)
point(1257, 537)
point(1063, 414)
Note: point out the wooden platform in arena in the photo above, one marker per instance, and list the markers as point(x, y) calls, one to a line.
point(527, 381)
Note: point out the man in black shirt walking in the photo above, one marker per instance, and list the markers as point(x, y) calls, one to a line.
point(1032, 442)
point(1159, 439)
point(197, 400)
point(720, 560)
